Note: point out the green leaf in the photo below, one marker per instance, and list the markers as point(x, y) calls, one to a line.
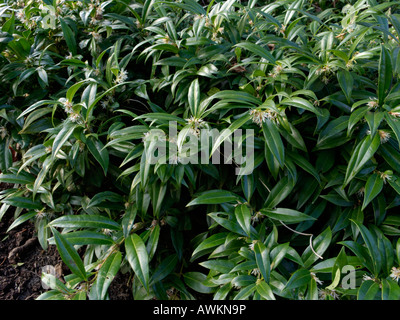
point(320, 245)
point(394, 125)
point(374, 120)
point(304, 164)
point(214, 197)
point(85, 221)
point(373, 187)
point(265, 290)
point(164, 268)
point(372, 246)
point(88, 237)
point(138, 258)
point(22, 202)
point(219, 265)
point(368, 290)
point(21, 219)
point(95, 147)
point(390, 290)
point(286, 215)
point(274, 141)
point(211, 242)
point(19, 178)
point(257, 50)
point(384, 75)
point(245, 292)
point(364, 151)
point(346, 83)
point(105, 196)
point(355, 117)
point(243, 216)
point(194, 98)
point(301, 103)
point(69, 255)
point(66, 131)
point(105, 276)
point(6, 159)
point(279, 192)
point(227, 133)
point(300, 278)
point(263, 260)
point(195, 280)
point(68, 36)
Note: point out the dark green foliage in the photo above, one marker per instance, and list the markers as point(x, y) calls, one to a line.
point(84, 82)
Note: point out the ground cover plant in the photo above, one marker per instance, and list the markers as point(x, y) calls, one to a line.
point(84, 82)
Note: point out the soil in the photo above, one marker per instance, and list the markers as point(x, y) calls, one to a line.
point(22, 259)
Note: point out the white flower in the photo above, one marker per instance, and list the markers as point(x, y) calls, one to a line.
point(196, 124)
point(259, 116)
point(395, 274)
point(384, 136)
point(256, 272)
point(96, 35)
point(3, 132)
point(373, 103)
point(387, 175)
point(122, 76)
point(317, 280)
point(276, 71)
point(324, 293)
point(256, 217)
point(99, 11)
point(67, 105)
point(395, 114)
point(107, 232)
point(367, 278)
point(74, 117)
point(360, 192)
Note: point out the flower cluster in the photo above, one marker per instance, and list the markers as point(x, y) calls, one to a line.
point(259, 116)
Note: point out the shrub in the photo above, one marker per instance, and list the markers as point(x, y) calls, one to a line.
point(85, 82)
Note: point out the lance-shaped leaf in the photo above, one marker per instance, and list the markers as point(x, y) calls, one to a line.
point(85, 221)
point(68, 36)
point(394, 125)
point(373, 187)
point(62, 137)
point(211, 242)
point(364, 151)
point(69, 255)
point(384, 75)
point(286, 215)
point(372, 246)
point(257, 50)
point(274, 141)
point(279, 192)
point(298, 279)
point(262, 259)
point(105, 276)
point(300, 103)
point(368, 290)
point(164, 268)
point(95, 147)
point(265, 291)
point(194, 97)
point(214, 197)
point(243, 216)
point(138, 258)
point(346, 83)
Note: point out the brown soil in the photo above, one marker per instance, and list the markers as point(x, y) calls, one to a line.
point(20, 272)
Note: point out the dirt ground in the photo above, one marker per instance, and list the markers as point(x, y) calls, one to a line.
point(20, 273)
